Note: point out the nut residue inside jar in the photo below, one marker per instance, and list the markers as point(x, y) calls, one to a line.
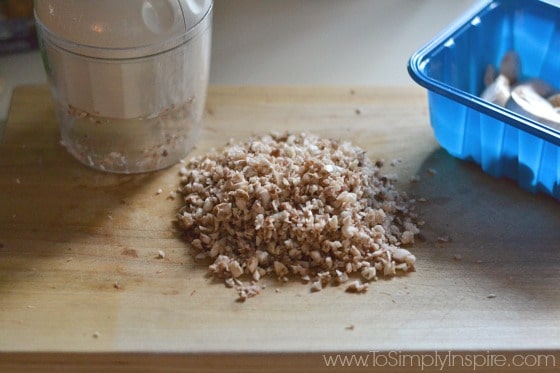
point(295, 205)
point(130, 145)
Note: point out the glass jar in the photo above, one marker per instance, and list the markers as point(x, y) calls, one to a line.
point(128, 78)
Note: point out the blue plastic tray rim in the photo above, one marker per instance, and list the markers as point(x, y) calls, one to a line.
point(472, 101)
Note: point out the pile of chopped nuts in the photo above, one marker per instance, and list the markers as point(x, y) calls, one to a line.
point(295, 205)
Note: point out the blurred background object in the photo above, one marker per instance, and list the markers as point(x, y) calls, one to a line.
point(17, 37)
point(17, 27)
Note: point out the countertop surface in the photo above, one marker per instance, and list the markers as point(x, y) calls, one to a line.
point(294, 42)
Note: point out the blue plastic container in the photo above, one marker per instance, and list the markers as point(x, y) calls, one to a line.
point(452, 66)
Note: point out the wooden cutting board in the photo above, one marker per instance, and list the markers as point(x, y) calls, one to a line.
point(81, 284)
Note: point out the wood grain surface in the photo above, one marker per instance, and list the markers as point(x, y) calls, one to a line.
point(81, 281)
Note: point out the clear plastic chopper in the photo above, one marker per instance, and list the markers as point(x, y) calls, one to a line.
point(128, 78)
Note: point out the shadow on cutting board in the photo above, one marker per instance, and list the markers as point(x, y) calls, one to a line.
point(489, 227)
point(61, 219)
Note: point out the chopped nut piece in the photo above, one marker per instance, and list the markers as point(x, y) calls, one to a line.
point(161, 254)
point(248, 291)
point(229, 282)
point(252, 264)
point(407, 237)
point(235, 269)
point(341, 277)
point(280, 269)
point(256, 275)
point(316, 286)
point(403, 256)
point(369, 273)
point(357, 287)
